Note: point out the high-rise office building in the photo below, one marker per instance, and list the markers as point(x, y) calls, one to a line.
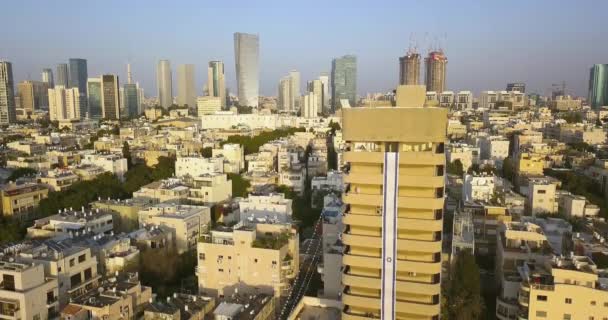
point(94, 98)
point(598, 86)
point(409, 69)
point(62, 75)
point(164, 83)
point(110, 100)
point(78, 75)
point(395, 198)
point(284, 97)
point(131, 107)
point(64, 103)
point(435, 67)
point(316, 87)
point(186, 90)
point(516, 86)
point(246, 55)
point(216, 81)
point(47, 77)
point(294, 82)
point(344, 81)
point(7, 94)
point(33, 95)
point(324, 77)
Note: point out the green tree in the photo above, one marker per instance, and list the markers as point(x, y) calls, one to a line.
point(126, 153)
point(463, 292)
point(21, 172)
point(137, 176)
point(455, 168)
point(240, 185)
point(207, 152)
point(508, 169)
point(165, 168)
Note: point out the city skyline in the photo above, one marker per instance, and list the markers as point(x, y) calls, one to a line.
point(483, 55)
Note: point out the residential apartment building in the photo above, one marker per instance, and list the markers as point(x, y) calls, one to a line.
point(20, 200)
point(198, 165)
point(263, 208)
point(396, 178)
point(187, 222)
point(234, 157)
point(250, 259)
point(69, 223)
point(112, 163)
point(25, 291)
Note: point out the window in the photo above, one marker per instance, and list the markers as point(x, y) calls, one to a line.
point(567, 316)
point(568, 300)
point(88, 274)
point(541, 298)
point(82, 258)
point(592, 303)
point(220, 270)
point(201, 256)
point(541, 191)
point(255, 260)
point(71, 262)
point(606, 304)
point(541, 314)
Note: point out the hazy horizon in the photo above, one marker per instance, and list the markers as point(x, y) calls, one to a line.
point(487, 44)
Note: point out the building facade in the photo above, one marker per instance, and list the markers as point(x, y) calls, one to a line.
point(186, 90)
point(7, 94)
point(164, 83)
point(246, 55)
point(216, 81)
point(436, 68)
point(344, 80)
point(598, 86)
point(110, 99)
point(394, 199)
point(409, 69)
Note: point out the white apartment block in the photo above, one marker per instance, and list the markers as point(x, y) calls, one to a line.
point(25, 291)
point(210, 188)
point(208, 105)
point(494, 148)
point(334, 180)
point(468, 155)
point(234, 157)
point(542, 197)
point(113, 163)
point(266, 208)
point(197, 165)
point(70, 223)
point(478, 187)
point(464, 100)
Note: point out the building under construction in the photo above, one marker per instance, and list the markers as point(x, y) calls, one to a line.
point(435, 64)
point(409, 69)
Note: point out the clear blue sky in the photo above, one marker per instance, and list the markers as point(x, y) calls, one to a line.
point(489, 43)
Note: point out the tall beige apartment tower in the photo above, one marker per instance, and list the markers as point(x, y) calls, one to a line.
point(436, 64)
point(394, 199)
point(409, 69)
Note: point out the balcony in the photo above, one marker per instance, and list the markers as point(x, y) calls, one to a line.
point(349, 315)
point(405, 158)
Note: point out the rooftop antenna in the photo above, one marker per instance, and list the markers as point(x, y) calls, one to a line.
point(129, 79)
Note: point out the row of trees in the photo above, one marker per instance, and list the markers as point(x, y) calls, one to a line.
point(253, 144)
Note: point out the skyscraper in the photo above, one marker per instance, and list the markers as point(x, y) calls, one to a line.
point(131, 107)
point(435, 66)
point(409, 69)
point(94, 98)
point(110, 100)
point(164, 83)
point(62, 75)
point(33, 95)
point(309, 106)
point(7, 94)
point(316, 87)
point(216, 81)
point(186, 90)
point(47, 77)
point(284, 102)
point(344, 80)
point(598, 86)
point(246, 56)
point(324, 77)
point(64, 103)
point(294, 82)
point(393, 224)
point(78, 75)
